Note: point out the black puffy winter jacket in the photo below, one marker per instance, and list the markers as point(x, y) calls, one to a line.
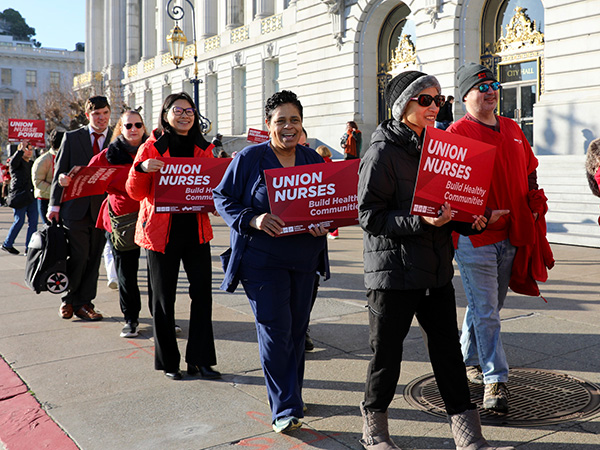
point(400, 251)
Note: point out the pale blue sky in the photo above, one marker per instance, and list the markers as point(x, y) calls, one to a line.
point(57, 23)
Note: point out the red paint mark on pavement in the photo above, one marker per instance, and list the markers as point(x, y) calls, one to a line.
point(252, 442)
point(24, 425)
point(19, 284)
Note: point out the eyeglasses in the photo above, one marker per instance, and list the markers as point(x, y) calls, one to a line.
point(179, 111)
point(129, 126)
point(426, 100)
point(486, 87)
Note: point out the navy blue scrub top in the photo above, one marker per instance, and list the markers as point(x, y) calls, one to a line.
point(297, 252)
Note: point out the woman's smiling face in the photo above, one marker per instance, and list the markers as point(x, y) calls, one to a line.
point(182, 123)
point(418, 117)
point(285, 127)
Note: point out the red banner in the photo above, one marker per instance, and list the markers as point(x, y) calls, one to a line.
point(305, 196)
point(185, 185)
point(257, 136)
point(86, 181)
point(27, 130)
point(453, 169)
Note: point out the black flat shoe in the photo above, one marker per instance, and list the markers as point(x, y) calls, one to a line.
point(173, 375)
point(205, 372)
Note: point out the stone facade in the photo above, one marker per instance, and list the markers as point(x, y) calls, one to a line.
point(330, 52)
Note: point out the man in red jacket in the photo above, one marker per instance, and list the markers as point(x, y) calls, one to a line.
point(485, 261)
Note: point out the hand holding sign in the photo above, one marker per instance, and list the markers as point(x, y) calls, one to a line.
point(269, 223)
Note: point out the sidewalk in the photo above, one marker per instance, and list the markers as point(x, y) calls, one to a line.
point(103, 392)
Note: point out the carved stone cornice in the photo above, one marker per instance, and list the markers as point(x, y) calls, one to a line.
point(336, 10)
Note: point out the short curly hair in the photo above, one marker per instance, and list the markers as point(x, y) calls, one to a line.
point(281, 98)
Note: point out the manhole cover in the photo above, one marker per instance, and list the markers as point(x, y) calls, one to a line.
point(536, 397)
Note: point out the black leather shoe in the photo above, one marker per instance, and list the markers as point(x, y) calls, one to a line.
point(174, 375)
point(205, 372)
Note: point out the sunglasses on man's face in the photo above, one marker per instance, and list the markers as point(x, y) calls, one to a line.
point(486, 87)
point(129, 126)
point(426, 100)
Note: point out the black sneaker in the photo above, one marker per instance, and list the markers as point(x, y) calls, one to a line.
point(129, 330)
point(495, 397)
point(11, 250)
point(309, 345)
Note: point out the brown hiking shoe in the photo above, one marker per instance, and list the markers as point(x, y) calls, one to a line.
point(495, 397)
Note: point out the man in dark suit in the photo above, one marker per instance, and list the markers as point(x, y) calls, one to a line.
point(79, 215)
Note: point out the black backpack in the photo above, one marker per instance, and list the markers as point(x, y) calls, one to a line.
point(46, 266)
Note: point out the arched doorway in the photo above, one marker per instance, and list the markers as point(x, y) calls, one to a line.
point(396, 37)
point(513, 44)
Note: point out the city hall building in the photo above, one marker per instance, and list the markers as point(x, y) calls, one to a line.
point(337, 56)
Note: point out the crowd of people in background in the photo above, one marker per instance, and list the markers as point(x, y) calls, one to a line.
point(407, 258)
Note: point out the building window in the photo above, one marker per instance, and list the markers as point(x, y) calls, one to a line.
point(55, 80)
point(31, 78)
point(239, 100)
point(6, 77)
point(31, 109)
point(7, 105)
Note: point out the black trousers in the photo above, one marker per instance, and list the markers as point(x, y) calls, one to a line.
point(390, 316)
point(127, 264)
point(86, 243)
point(183, 246)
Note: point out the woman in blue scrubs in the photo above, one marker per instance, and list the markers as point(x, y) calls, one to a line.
point(277, 273)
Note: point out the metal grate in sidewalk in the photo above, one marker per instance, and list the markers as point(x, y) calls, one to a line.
point(536, 397)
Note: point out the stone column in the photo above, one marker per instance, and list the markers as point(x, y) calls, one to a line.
point(162, 28)
point(132, 27)
point(148, 29)
point(234, 14)
point(207, 18)
point(264, 8)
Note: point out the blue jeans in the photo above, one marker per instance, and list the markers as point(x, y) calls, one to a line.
point(32, 218)
point(485, 273)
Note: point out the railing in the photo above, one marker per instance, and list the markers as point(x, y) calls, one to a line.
point(239, 34)
point(270, 24)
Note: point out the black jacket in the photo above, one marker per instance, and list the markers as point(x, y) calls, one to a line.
point(400, 251)
point(20, 176)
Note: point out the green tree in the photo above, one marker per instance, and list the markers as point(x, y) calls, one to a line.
point(14, 25)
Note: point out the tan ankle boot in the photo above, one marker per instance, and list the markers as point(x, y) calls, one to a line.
point(466, 429)
point(375, 430)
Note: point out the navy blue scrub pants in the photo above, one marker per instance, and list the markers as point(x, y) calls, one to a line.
point(281, 301)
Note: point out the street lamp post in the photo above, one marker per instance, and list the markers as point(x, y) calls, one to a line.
point(177, 42)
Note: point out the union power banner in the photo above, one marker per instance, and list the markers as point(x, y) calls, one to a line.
point(27, 130)
point(185, 185)
point(453, 169)
point(86, 181)
point(305, 196)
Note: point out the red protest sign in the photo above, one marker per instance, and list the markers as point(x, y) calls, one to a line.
point(86, 181)
point(257, 136)
point(27, 130)
point(185, 185)
point(453, 169)
point(304, 196)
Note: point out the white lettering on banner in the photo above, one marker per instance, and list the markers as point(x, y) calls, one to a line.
point(446, 150)
point(298, 180)
point(182, 180)
point(447, 168)
point(185, 169)
point(298, 193)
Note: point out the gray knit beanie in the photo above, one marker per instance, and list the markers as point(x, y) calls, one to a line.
point(470, 74)
point(405, 86)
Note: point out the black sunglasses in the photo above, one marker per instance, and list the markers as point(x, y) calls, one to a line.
point(426, 100)
point(129, 126)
